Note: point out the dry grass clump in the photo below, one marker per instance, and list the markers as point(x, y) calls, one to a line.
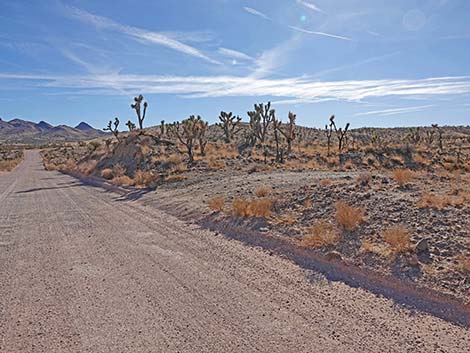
point(398, 238)
point(7, 166)
point(175, 178)
point(118, 170)
point(288, 219)
point(215, 163)
point(463, 263)
point(262, 207)
point(308, 203)
point(368, 246)
point(217, 203)
point(347, 216)
point(144, 179)
point(122, 180)
point(88, 167)
point(326, 182)
point(174, 158)
point(107, 173)
point(437, 202)
point(262, 191)
point(402, 176)
point(320, 234)
point(364, 179)
point(240, 207)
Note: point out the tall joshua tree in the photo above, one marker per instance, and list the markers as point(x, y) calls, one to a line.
point(189, 132)
point(289, 132)
point(229, 124)
point(136, 106)
point(114, 128)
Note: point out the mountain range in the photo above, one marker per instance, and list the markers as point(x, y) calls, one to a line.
point(22, 131)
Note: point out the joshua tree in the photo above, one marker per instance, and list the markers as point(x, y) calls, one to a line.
point(439, 136)
point(188, 132)
point(114, 129)
point(162, 127)
point(430, 135)
point(289, 132)
point(329, 133)
point(277, 138)
point(130, 125)
point(136, 106)
point(202, 138)
point(340, 133)
point(260, 119)
point(229, 124)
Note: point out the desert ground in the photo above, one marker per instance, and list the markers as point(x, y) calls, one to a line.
point(85, 269)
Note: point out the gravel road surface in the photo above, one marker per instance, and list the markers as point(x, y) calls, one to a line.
point(82, 270)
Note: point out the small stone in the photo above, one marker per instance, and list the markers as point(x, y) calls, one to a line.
point(413, 260)
point(422, 246)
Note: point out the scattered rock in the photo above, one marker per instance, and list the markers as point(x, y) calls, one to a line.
point(422, 246)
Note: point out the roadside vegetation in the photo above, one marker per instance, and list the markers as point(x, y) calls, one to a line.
point(10, 157)
point(395, 200)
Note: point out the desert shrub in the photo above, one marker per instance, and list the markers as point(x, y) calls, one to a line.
point(402, 176)
point(215, 163)
point(347, 216)
point(437, 202)
point(369, 247)
point(118, 170)
point(364, 179)
point(175, 178)
point(88, 167)
point(122, 180)
point(325, 182)
point(107, 173)
point(288, 219)
point(252, 208)
point(261, 207)
point(262, 191)
point(240, 207)
point(217, 203)
point(144, 179)
point(320, 234)
point(398, 238)
point(463, 263)
point(174, 158)
point(349, 165)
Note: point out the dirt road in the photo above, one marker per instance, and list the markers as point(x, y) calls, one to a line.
point(83, 271)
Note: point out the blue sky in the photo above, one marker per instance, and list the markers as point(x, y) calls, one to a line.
point(370, 62)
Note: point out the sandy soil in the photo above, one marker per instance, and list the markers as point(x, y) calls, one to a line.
point(85, 270)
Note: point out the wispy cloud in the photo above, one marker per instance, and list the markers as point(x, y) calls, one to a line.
point(139, 34)
point(234, 54)
point(310, 6)
point(319, 33)
point(257, 13)
point(396, 111)
point(298, 89)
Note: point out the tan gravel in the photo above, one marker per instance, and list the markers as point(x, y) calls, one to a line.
point(83, 271)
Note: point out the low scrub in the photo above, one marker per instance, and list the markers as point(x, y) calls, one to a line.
point(144, 179)
point(402, 176)
point(261, 207)
point(262, 191)
point(123, 180)
point(320, 234)
point(217, 203)
point(347, 216)
point(398, 238)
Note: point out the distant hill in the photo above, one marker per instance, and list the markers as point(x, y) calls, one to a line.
point(22, 131)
